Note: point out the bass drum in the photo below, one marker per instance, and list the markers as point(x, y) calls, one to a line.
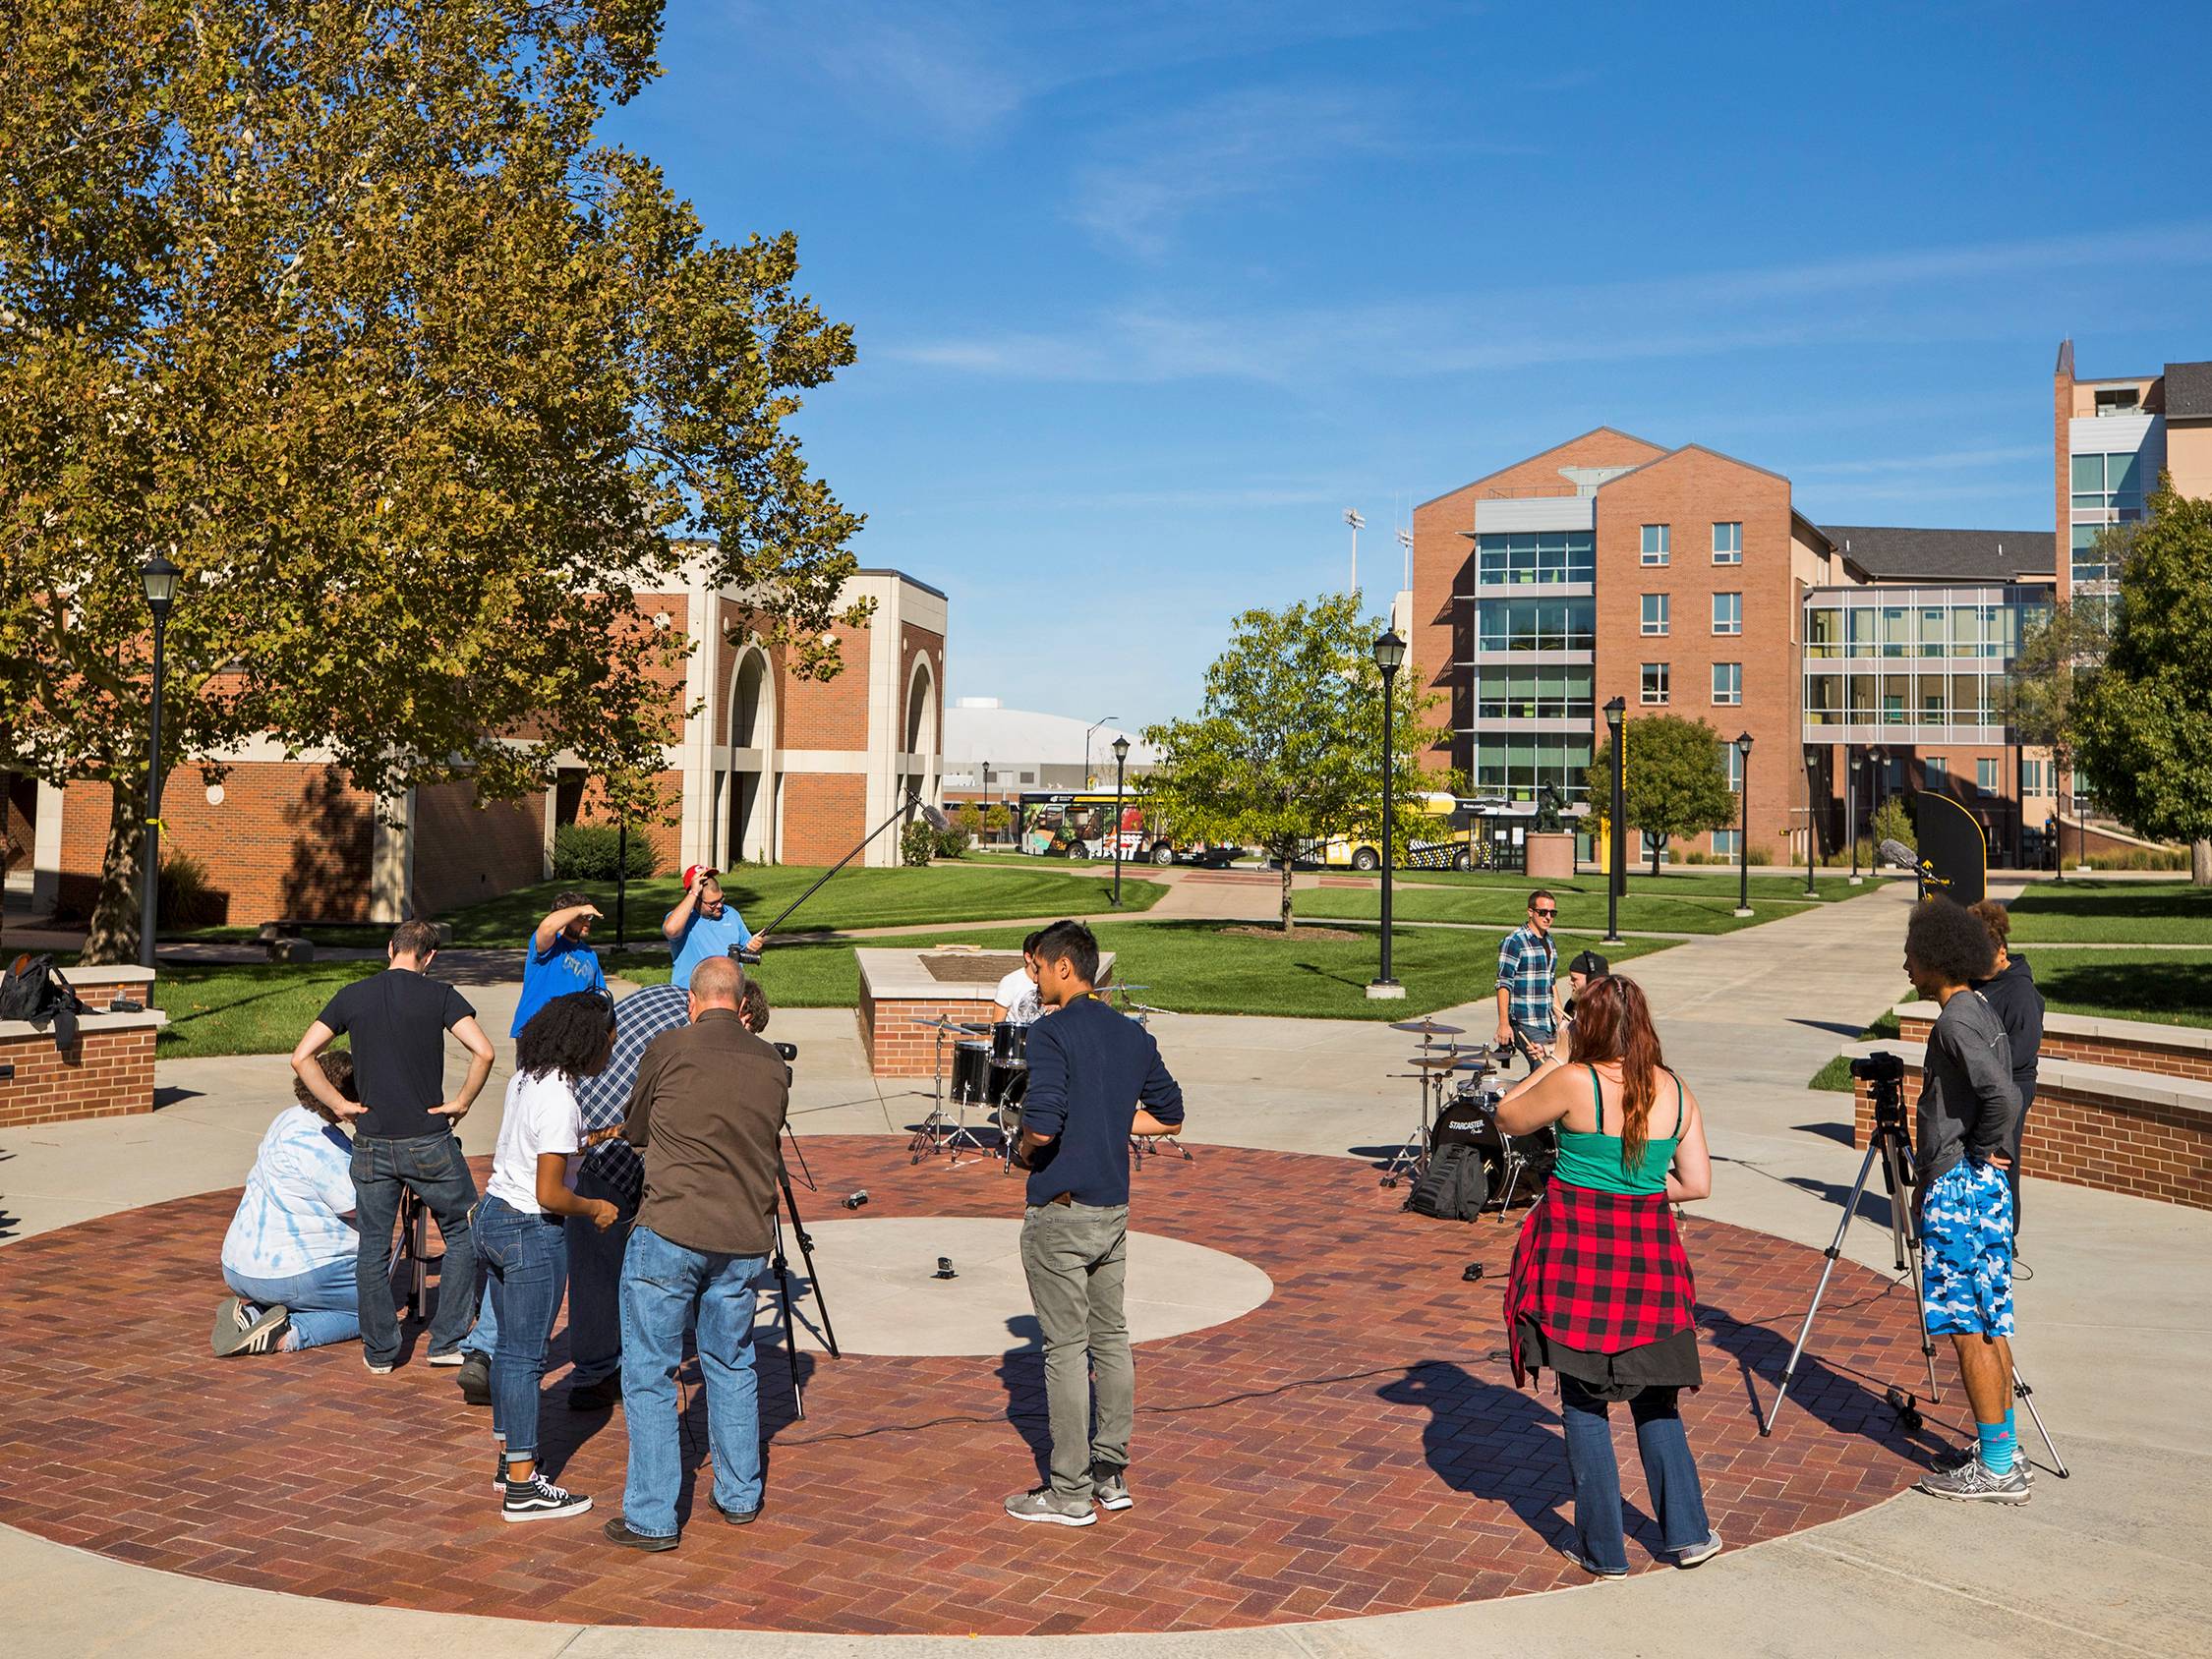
point(1007, 1083)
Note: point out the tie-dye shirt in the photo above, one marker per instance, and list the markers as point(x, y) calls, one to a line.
point(289, 1220)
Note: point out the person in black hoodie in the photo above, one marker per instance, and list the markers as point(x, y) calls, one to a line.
point(2011, 991)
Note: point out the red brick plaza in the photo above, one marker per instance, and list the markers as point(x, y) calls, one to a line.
point(1352, 1447)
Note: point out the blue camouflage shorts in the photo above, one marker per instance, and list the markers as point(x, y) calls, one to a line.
point(1967, 1239)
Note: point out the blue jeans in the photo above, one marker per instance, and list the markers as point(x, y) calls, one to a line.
point(325, 1303)
point(527, 1254)
point(434, 1166)
point(663, 1286)
point(1669, 1474)
point(595, 1280)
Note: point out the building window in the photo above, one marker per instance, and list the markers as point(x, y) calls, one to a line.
point(1654, 682)
point(1728, 682)
point(1727, 615)
point(1655, 613)
point(1658, 539)
point(1985, 775)
point(1727, 541)
point(1936, 770)
point(1518, 764)
point(2111, 484)
point(1731, 760)
point(2031, 778)
point(1728, 842)
point(1535, 555)
point(2118, 400)
point(1533, 694)
point(1535, 625)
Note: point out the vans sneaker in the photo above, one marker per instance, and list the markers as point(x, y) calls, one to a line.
point(539, 1499)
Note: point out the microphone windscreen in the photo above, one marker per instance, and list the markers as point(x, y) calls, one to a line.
point(1898, 854)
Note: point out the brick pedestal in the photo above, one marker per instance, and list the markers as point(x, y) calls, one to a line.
point(107, 1072)
point(897, 989)
point(1551, 857)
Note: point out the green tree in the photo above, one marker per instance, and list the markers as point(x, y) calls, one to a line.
point(1285, 748)
point(2041, 693)
point(2145, 717)
point(997, 818)
point(1674, 784)
point(349, 315)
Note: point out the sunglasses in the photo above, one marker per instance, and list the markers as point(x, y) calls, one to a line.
point(1543, 912)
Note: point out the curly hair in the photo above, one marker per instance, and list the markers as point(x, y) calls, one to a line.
point(569, 1035)
point(1997, 919)
point(1950, 942)
point(338, 1067)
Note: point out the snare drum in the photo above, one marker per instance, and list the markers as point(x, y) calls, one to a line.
point(1009, 1043)
point(971, 1070)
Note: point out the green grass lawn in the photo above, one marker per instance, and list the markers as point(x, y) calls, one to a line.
point(2079, 910)
point(1696, 882)
point(1689, 904)
point(1193, 967)
point(256, 1009)
point(855, 899)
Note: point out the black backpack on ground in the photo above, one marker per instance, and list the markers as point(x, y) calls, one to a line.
point(1453, 1188)
point(34, 991)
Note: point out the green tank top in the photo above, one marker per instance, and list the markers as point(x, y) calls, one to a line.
point(1593, 1161)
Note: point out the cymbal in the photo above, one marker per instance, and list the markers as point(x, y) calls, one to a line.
point(1475, 1063)
point(1428, 1027)
point(1434, 1062)
point(940, 1023)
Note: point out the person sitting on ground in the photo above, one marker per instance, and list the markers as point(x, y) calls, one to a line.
point(289, 1253)
point(1601, 1290)
point(1963, 1125)
point(520, 1235)
point(559, 961)
point(704, 926)
point(1016, 998)
point(2011, 991)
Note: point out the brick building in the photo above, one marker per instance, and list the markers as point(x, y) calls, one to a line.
point(1687, 580)
point(769, 768)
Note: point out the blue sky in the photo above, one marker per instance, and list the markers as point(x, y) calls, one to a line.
point(1146, 295)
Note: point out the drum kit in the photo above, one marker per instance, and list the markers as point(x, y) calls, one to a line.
point(990, 1075)
point(1459, 1088)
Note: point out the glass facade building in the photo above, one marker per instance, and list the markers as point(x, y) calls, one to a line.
point(1913, 666)
point(1532, 669)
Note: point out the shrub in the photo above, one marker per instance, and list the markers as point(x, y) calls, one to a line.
point(1892, 822)
point(586, 852)
point(2141, 858)
point(186, 898)
point(952, 843)
point(917, 845)
point(1759, 855)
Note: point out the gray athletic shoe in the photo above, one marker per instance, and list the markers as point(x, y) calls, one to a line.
point(1048, 1506)
point(242, 1328)
point(1973, 1481)
point(1952, 1463)
point(1698, 1554)
point(1109, 1487)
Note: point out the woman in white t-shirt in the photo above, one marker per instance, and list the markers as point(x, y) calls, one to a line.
point(1016, 997)
point(290, 1250)
point(517, 1228)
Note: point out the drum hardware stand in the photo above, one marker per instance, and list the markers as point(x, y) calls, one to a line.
point(414, 1241)
point(1412, 1158)
point(780, 1266)
point(937, 1132)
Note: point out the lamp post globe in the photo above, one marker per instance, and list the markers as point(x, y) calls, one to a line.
point(1389, 657)
point(1743, 829)
point(1616, 834)
point(1121, 761)
point(157, 580)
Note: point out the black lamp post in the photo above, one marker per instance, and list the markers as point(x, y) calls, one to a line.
point(621, 882)
point(1616, 861)
point(1389, 657)
point(159, 579)
point(1853, 810)
point(1743, 832)
point(1121, 761)
point(1812, 832)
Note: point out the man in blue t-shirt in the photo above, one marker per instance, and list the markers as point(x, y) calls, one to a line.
point(1095, 1078)
point(704, 925)
point(559, 960)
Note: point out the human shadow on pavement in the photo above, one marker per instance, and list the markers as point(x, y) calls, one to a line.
point(1021, 1375)
point(1873, 1202)
point(1492, 1442)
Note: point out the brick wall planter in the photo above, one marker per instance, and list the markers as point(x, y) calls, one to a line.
point(2169, 1051)
point(109, 1070)
point(897, 989)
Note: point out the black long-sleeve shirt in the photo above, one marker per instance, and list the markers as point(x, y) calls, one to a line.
point(1090, 1068)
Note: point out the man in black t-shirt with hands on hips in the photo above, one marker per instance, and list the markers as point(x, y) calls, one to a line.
point(1095, 1077)
point(403, 1128)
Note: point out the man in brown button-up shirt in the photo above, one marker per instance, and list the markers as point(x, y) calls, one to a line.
point(706, 1112)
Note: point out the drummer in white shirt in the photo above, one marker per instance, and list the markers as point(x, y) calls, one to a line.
point(1016, 998)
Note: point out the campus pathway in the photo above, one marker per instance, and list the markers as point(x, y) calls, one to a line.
point(2113, 1560)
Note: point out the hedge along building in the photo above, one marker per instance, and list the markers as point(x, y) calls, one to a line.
point(765, 767)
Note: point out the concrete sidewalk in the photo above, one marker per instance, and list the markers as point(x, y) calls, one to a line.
point(2120, 1306)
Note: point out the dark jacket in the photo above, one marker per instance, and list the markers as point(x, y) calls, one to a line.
point(706, 1111)
point(2019, 1008)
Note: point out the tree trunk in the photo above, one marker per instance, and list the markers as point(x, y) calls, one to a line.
point(2201, 863)
point(1285, 904)
point(1658, 846)
point(113, 938)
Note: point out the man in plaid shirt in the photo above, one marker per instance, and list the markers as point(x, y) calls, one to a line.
point(1527, 963)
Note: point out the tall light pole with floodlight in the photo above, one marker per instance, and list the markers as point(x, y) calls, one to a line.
point(158, 577)
point(1087, 733)
point(1389, 657)
point(1743, 832)
point(1352, 517)
point(1616, 862)
point(1121, 761)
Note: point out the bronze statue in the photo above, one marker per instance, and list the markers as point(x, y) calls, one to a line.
point(1548, 819)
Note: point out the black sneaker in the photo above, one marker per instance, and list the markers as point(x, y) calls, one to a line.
point(539, 1499)
point(617, 1531)
point(602, 1396)
point(474, 1379)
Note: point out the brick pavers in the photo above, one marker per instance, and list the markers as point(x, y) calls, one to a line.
point(1353, 1446)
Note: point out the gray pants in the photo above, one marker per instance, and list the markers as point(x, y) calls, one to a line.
point(1076, 1257)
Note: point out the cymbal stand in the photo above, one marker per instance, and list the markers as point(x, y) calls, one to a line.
point(1412, 1158)
point(929, 1138)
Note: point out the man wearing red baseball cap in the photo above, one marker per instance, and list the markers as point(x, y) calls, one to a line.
point(702, 925)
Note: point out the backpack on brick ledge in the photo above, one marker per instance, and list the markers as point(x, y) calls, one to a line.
point(34, 990)
point(1453, 1188)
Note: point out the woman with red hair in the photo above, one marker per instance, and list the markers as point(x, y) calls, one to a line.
point(1600, 1290)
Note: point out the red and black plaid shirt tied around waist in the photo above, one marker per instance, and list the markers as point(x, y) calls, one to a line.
point(1603, 1271)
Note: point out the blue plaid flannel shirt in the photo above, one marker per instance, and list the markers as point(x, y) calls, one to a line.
point(639, 1017)
point(1525, 966)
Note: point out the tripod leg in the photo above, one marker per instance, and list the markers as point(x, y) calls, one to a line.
point(806, 1254)
point(782, 1268)
point(2026, 1396)
point(1834, 1249)
point(1907, 1233)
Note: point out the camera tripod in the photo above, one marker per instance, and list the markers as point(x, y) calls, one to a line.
point(1892, 1144)
point(779, 1265)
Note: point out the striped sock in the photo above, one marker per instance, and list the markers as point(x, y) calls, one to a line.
point(1996, 1447)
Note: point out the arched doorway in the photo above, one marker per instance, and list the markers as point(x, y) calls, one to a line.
point(918, 734)
point(749, 831)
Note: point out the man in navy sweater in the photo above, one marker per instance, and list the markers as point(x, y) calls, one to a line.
point(1095, 1078)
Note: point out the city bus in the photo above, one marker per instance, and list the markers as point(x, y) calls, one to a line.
point(1079, 824)
point(1442, 843)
